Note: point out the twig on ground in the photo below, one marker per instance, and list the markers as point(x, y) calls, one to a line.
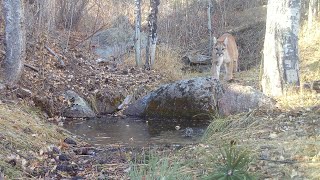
point(282, 162)
point(31, 67)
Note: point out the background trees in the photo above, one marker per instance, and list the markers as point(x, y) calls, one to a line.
point(152, 34)
point(137, 38)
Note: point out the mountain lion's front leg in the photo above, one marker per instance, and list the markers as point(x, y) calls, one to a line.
point(229, 71)
point(235, 66)
point(216, 65)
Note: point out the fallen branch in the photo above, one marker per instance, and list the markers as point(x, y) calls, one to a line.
point(56, 56)
point(32, 67)
point(94, 33)
point(244, 27)
point(279, 161)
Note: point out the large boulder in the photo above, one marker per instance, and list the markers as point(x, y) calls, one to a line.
point(238, 98)
point(196, 98)
point(78, 107)
point(189, 99)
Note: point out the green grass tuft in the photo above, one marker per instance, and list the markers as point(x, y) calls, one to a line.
point(233, 164)
point(155, 168)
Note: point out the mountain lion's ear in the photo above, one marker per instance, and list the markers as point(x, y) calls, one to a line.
point(214, 40)
point(225, 42)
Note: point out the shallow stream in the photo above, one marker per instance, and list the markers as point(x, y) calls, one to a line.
point(137, 132)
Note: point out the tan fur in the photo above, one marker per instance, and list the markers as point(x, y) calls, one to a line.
point(225, 52)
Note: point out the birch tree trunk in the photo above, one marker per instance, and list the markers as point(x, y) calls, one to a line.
point(152, 37)
point(137, 38)
point(312, 12)
point(281, 60)
point(15, 40)
point(210, 7)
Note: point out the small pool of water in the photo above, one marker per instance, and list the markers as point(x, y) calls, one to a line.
point(137, 132)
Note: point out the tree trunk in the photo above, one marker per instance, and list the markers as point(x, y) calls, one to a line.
point(137, 39)
point(15, 40)
point(281, 60)
point(152, 37)
point(312, 12)
point(210, 7)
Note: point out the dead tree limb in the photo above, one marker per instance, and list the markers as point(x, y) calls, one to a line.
point(56, 56)
point(90, 36)
point(244, 27)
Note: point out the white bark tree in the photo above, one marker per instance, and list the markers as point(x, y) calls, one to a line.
point(281, 60)
point(209, 12)
point(137, 38)
point(152, 37)
point(312, 12)
point(15, 40)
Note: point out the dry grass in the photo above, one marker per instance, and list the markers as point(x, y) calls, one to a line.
point(298, 99)
point(282, 145)
point(22, 134)
point(310, 53)
point(168, 63)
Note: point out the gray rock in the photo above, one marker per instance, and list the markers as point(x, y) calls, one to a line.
point(196, 59)
point(137, 108)
point(78, 108)
point(197, 98)
point(188, 132)
point(238, 98)
point(2, 86)
point(190, 99)
point(24, 93)
point(114, 42)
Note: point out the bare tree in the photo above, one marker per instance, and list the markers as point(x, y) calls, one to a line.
point(137, 38)
point(152, 37)
point(15, 40)
point(70, 12)
point(281, 60)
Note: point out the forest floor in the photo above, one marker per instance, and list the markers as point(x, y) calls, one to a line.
point(283, 142)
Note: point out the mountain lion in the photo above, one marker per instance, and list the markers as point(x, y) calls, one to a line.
point(225, 52)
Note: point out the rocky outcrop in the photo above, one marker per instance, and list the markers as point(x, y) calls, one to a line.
point(78, 107)
point(196, 98)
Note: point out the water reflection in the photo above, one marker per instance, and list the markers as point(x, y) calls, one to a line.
point(136, 132)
